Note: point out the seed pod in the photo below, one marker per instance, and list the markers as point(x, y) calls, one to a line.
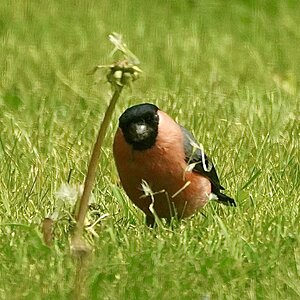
point(118, 74)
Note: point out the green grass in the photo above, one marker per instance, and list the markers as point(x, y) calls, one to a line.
point(227, 70)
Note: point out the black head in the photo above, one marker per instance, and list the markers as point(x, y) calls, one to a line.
point(139, 125)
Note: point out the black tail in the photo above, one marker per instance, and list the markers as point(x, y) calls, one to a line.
point(222, 198)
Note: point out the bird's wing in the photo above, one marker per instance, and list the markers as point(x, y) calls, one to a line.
point(199, 161)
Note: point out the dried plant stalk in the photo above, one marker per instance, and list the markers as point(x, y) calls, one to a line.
point(121, 74)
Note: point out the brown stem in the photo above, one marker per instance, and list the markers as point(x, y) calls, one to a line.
point(91, 174)
point(47, 229)
point(81, 250)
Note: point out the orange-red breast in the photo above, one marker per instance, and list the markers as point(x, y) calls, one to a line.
point(149, 146)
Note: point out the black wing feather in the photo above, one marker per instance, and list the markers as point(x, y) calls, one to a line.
point(203, 165)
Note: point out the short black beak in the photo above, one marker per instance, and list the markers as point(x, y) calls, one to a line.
point(138, 131)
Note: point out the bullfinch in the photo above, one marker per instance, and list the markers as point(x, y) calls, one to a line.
point(152, 150)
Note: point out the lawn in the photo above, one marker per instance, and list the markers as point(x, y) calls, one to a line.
point(227, 70)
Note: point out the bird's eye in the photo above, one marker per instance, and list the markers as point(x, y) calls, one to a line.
point(148, 118)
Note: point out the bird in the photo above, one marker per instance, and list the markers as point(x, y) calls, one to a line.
point(162, 168)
